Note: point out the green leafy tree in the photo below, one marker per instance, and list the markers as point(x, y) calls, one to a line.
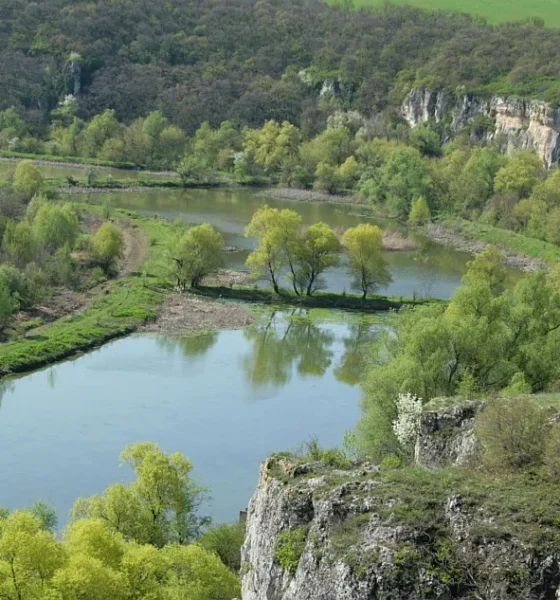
point(326, 178)
point(426, 140)
point(319, 249)
point(192, 168)
point(11, 124)
point(28, 180)
point(272, 146)
point(158, 508)
point(513, 433)
point(18, 243)
point(483, 341)
point(55, 226)
point(520, 174)
point(277, 232)
point(8, 305)
point(225, 540)
point(29, 557)
point(101, 128)
point(196, 253)
point(403, 177)
point(419, 212)
point(364, 244)
point(107, 245)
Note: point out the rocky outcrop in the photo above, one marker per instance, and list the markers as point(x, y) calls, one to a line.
point(524, 124)
point(447, 436)
point(372, 533)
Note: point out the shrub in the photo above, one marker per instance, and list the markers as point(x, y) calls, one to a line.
point(107, 245)
point(225, 540)
point(290, 547)
point(513, 433)
point(406, 425)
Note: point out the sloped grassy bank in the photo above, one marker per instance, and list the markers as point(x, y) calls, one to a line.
point(115, 308)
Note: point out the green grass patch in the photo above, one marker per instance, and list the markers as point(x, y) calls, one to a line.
point(545, 251)
point(118, 308)
point(524, 505)
point(325, 300)
point(496, 11)
point(78, 160)
point(117, 184)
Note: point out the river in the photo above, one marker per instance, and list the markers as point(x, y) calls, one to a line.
point(430, 270)
point(227, 400)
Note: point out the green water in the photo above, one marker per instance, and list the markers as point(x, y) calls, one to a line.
point(227, 400)
point(52, 171)
point(430, 270)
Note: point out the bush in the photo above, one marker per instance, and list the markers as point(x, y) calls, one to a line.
point(290, 547)
point(513, 433)
point(107, 245)
point(225, 540)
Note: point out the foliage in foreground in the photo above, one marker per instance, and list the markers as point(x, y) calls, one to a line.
point(486, 340)
point(124, 545)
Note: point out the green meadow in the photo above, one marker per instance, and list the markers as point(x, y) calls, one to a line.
point(496, 11)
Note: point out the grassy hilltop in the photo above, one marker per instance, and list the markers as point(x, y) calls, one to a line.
point(496, 11)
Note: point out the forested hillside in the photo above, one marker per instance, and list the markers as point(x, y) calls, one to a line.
point(250, 61)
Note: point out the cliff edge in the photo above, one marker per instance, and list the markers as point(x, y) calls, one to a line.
point(365, 532)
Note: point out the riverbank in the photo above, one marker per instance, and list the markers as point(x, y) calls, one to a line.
point(66, 161)
point(351, 302)
point(520, 251)
point(141, 298)
point(312, 196)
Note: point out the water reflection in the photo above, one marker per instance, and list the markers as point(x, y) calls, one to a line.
point(299, 343)
point(6, 387)
point(357, 345)
point(189, 346)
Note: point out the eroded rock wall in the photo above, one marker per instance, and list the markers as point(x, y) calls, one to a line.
point(524, 124)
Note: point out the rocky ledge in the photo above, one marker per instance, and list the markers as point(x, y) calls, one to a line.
point(367, 532)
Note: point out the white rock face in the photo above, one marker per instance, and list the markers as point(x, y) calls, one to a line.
point(358, 544)
point(526, 124)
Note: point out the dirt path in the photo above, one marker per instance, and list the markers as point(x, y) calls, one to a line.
point(136, 251)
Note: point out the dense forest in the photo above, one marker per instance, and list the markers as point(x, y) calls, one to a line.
point(250, 61)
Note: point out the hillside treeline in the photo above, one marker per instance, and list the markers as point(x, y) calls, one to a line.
point(254, 60)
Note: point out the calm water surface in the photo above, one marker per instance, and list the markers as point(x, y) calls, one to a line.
point(227, 400)
point(431, 270)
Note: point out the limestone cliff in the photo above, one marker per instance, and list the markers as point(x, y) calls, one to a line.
point(366, 532)
point(524, 124)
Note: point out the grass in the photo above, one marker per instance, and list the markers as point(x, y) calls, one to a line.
point(79, 160)
point(118, 184)
point(327, 300)
point(118, 308)
point(496, 11)
point(545, 251)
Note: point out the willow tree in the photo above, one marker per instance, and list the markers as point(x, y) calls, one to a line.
point(364, 244)
point(318, 250)
point(195, 254)
point(278, 234)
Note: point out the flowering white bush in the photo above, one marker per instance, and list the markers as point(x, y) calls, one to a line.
point(407, 424)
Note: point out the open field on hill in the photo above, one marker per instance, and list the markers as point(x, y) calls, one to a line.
point(496, 11)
